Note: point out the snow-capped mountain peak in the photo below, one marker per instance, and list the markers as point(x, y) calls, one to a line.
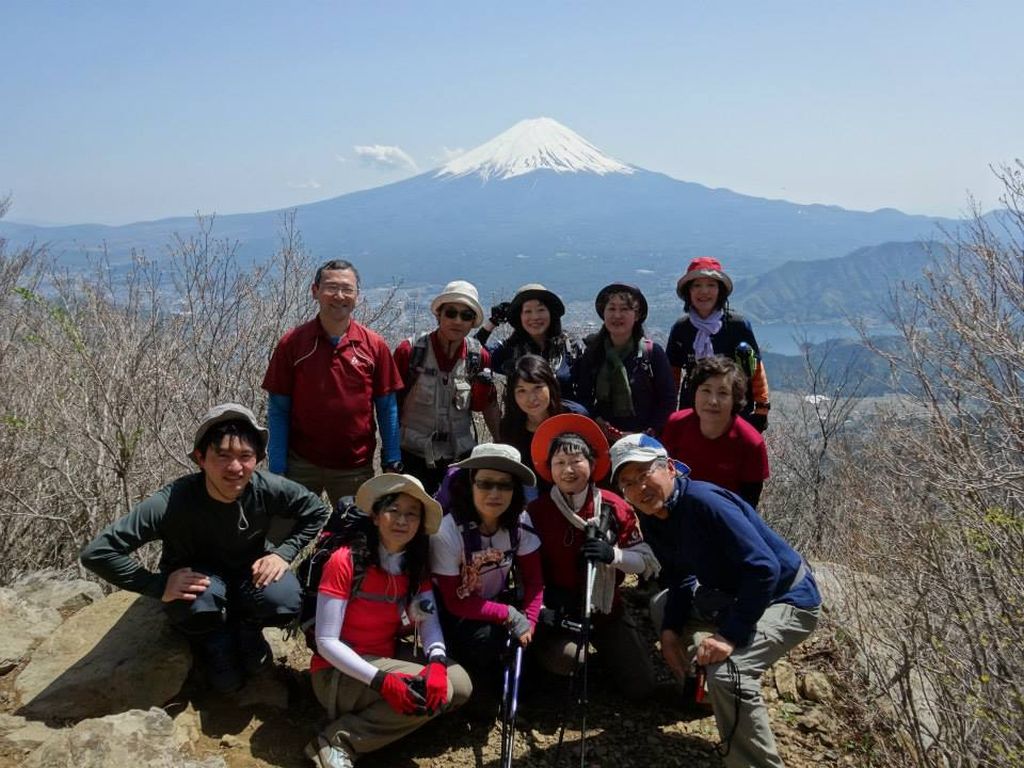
point(530, 145)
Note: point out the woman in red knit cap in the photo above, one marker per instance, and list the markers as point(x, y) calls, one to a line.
point(711, 328)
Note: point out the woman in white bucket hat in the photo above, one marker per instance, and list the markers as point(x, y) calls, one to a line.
point(446, 376)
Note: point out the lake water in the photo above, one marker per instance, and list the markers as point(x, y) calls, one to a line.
point(785, 338)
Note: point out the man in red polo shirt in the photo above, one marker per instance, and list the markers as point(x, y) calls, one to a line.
point(325, 380)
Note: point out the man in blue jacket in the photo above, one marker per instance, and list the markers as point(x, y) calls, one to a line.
point(739, 595)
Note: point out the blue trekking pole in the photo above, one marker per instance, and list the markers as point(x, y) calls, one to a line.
point(510, 700)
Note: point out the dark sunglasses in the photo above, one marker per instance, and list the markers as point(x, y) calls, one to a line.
point(494, 485)
point(466, 314)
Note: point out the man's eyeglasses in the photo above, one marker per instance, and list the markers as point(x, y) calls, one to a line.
point(339, 290)
point(626, 486)
point(494, 485)
point(468, 315)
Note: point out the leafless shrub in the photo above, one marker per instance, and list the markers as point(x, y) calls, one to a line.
point(928, 506)
point(105, 374)
point(811, 450)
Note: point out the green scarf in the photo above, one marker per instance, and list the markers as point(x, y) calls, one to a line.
point(614, 397)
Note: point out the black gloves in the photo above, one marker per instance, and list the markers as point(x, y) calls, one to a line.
point(598, 550)
point(758, 421)
point(499, 313)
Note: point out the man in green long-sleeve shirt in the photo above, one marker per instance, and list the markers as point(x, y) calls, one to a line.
point(220, 579)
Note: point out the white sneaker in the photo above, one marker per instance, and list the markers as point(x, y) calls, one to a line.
point(326, 755)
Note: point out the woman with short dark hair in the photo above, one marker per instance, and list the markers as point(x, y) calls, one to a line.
point(709, 438)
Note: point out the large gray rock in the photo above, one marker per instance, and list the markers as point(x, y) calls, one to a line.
point(46, 588)
point(867, 608)
point(115, 655)
point(23, 735)
point(33, 607)
point(141, 739)
point(25, 624)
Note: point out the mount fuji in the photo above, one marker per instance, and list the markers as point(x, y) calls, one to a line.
point(536, 203)
point(533, 145)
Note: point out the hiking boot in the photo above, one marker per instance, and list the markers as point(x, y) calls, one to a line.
point(220, 660)
point(326, 755)
point(254, 649)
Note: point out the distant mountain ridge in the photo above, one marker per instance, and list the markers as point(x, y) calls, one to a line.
point(538, 203)
point(855, 285)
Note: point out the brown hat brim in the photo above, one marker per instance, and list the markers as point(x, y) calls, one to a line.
point(714, 274)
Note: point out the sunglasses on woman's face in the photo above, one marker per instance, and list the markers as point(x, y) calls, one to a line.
point(465, 314)
point(494, 485)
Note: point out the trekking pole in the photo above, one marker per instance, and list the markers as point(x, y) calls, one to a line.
point(576, 628)
point(592, 532)
point(510, 701)
point(582, 649)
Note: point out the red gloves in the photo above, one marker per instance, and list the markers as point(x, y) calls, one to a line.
point(436, 675)
point(399, 691)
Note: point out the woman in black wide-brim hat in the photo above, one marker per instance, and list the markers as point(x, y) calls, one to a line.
point(624, 379)
point(535, 314)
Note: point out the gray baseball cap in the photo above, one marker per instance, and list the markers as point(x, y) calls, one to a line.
point(229, 412)
point(641, 448)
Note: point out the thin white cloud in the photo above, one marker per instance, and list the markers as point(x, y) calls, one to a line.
point(308, 184)
point(341, 158)
point(388, 158)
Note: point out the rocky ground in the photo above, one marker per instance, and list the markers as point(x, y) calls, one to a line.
point(79, 686)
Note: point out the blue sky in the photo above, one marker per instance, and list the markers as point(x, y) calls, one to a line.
point(120, 111)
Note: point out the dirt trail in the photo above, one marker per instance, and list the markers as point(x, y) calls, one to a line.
point(620, 734)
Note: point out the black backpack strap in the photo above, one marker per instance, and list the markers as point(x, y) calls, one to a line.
point(470, 538)
point(609, 522)
point(643, 352)
point(416, 358)
point(474, 358)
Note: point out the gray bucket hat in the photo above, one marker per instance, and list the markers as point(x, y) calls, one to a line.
point(391, 482)
point(229, 412)
point(501, 458)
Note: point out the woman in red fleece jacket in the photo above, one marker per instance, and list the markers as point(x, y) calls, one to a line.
point(484, 533)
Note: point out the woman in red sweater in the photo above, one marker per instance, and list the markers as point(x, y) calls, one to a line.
point(711, 439)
